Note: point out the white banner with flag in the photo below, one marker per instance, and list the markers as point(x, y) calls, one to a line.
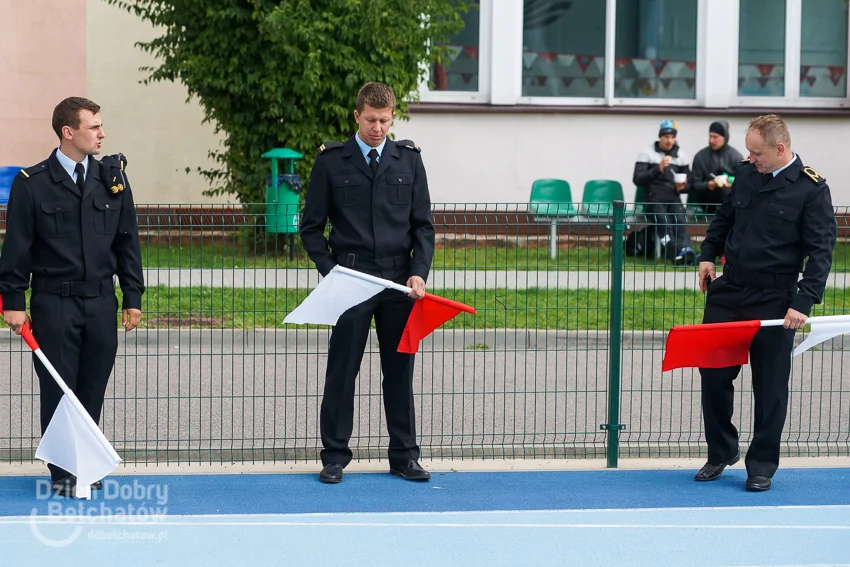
point(822, 332)
point(338, 292)
point(74, 442)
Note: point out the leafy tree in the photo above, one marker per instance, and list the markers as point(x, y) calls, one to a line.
point(275, 73)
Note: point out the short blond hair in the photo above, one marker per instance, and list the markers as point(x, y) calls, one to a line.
point(376, 95)
point(772, 129)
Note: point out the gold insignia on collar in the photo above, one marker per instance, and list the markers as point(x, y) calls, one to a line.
point(117, 188)
point(816, 177)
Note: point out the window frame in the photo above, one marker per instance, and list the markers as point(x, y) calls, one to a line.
point(609, 99)
point(793, 57)
point(500, 64)
point(482, 95)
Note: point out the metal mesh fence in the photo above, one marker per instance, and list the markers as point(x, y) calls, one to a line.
point(213, 375)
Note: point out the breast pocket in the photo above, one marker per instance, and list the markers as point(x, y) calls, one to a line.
point(348, 189)
point(106, 215)
point(401, 188)
point(741, 204)
point(782, 219)
point(59, 219)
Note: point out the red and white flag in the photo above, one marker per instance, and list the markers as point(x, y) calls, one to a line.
point(343, 288)
point(72, 440)
point(338, 292)
point(427, 314)
point(718, 345)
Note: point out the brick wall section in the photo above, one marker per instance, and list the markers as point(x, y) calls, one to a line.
point(458, 225)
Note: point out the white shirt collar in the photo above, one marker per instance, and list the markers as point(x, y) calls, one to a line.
point(69, 165)
point(775, 173)
point(365, 148)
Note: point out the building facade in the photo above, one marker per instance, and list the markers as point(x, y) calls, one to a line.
point(534, 88)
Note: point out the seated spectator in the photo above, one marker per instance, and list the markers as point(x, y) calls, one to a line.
point(710, 184)
point(662, 171)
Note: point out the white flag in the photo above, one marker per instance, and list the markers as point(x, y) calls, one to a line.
point(822, 332)
point(338, 292)
point(74, 442)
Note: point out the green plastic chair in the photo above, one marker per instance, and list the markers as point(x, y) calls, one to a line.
point(551, 202)
point(640, 204)
point(599, 194)
point(552, 198)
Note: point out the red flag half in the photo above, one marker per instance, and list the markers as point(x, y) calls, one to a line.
point(427, 314)
point(711, 345)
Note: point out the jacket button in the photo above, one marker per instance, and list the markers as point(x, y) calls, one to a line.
point(781, 212)
point(399, 179)
point(58, 209)
point(346, 180)
point(107, 205)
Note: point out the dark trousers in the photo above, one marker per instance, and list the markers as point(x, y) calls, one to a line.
point(670, 225)
point(770, 359)
point(391, 309)
point(79, 336)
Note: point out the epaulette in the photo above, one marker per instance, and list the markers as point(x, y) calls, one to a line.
point(408, 144)
point(814, 175)
point(30, 171)
point(329, 146)
point(115, 160)
point(112, 170)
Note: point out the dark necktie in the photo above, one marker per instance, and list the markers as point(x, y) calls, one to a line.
point(373, 164)
point(768, 177)
point(81, 177)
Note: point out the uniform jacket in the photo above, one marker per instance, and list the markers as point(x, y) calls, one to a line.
point(659, 187)
point(773, 228)
point(55, 233)
point(375, 217)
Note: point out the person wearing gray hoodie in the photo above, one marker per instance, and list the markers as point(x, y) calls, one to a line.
point(712, 168)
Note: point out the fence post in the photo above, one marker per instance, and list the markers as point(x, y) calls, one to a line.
point(615, 332)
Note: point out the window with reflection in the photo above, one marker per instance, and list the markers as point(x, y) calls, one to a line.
point(761, 48)
point(563, 52)
point(823, 49)
point(461, 71)
point(656, 49)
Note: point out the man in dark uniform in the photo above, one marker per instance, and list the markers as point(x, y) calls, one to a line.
point(779, 215)
point(71, 226)
point(375, 193)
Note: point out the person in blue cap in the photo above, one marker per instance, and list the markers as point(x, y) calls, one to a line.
point(662, 170)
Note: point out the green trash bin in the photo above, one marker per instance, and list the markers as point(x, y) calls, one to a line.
point(282, 190)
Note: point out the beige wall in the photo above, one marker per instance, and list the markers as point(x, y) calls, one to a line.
point(470, 157)
point(152, 124)
point(494, 158)
point(42, 61)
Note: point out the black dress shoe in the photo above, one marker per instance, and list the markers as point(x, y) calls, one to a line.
point(713, 472)
point(331, 474)
point(758, 483)
point(66, 486)
point(411, 471)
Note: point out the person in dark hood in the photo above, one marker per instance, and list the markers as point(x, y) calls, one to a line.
point(713, 169)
